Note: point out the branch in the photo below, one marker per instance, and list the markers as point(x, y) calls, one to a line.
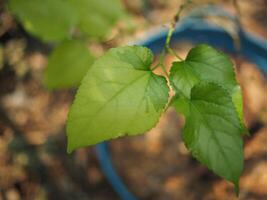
point(167, 48)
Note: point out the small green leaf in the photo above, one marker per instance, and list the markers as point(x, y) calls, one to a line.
point(96, 17)
point(211, 65)
point(183, 78)
point(204, 63)
point(67, 65)
point(119, 96)
point(51, 20)
point(212, 131)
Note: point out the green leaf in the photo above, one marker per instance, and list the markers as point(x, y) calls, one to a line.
point(183, 78)
point(180, 104)
point(212, 131)
point(96, 17)
point(119, 96)
point(211, 65)
point(67, 65)
point(51, 20)
point(204, 63)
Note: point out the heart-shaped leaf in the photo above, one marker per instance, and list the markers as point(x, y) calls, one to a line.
point(119, 96)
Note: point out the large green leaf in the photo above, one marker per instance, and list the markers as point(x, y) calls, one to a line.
point(67, 65)
point(204, 63)
point(96, 17)
point(212, 131)
point(120, 95)
point(50, 20)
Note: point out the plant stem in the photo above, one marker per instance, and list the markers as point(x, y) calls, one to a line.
point(161, 61)
point(171, 51)
point(167, 48)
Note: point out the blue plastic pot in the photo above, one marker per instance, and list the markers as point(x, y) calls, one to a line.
point(194, 30)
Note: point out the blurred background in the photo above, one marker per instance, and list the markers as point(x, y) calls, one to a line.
point(34, 164)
